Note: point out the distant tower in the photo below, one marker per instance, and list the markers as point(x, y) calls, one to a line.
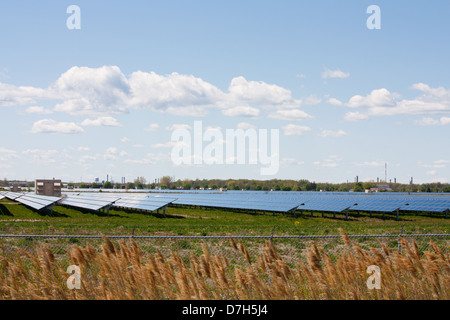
point(385, 172)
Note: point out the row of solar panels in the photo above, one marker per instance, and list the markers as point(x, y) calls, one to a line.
point(39, 202)
point(30, 200)
point(262, 202)
point(152, 202)
point(317, 203)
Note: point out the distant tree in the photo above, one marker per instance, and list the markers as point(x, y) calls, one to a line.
point(166, 182)
point(130, 185)
point(369, 185)
point(83, 185)
point(311, 186)
point(107, 185)
point(446, 189)
point(358, 187)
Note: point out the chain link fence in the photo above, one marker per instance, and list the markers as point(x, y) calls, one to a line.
point(292, 249)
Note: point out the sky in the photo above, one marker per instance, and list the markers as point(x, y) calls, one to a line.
point(101, 91)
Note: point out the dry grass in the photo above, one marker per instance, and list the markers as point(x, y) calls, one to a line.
point(125, 272)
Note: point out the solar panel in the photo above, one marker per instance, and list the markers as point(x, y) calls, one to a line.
point(143, 204)
point(87, 202)
point(36, 202)
point(329, 207)
point(12, 195)
point(279, 201)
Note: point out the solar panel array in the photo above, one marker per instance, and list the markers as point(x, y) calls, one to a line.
point(89, 203)
point(100, 201)
point(336, 202)
point(36, 202)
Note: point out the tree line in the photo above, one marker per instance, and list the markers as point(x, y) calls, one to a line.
point(170, 183)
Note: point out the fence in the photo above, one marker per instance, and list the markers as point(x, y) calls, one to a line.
point(291, 248)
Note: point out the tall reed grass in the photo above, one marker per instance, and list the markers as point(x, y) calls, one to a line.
point(124, 271)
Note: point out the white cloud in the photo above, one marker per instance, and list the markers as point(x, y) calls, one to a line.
point(290, 115)
point(312, 100)
point(38, 110)
point(180, 126)
point(435, 164)
point(355, 116)
point(431, 172)
point(52, 126)
point(370, 164)
point(81, 148)
point(169, 144)
point(382, 102)
point(101, 121)
point(6, 154)
point(288, 162)
point(152, 127)
point(334, 102)
point(242, 111)
point(245, 126)
point(333, 134)
point(330, 162)
point(333, 74)
point(11, 95)
point(105, 91)
point(243, 92)
point(125, 140)
point(433, 122)
point(150, 158)
point(41, 156)
point(295, 130)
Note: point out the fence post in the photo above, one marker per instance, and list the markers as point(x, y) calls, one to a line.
point(271, 236)
point(399, 238)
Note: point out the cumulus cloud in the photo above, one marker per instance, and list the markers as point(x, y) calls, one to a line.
point(330, 162)
point(290, 115)
point(38, 110)
point(152, 127)
point(101, 121)
point(433, 122)
point(382, 102)
point(334, 102)
point(242, 111)
point(288, 162)
point(6, 154)
point(333, 134)
point(370, 164)
point(179, 126)
point(245, 126)
point(105, 91)
point(295, 130)
point(335, 74)
point(52, 126)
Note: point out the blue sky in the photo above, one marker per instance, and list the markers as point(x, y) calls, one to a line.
point(105, 99)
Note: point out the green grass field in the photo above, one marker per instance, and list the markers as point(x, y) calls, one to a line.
point(18, 219)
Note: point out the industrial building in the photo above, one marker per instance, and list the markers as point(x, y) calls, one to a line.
point(48, 187)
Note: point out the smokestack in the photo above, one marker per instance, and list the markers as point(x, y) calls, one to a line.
point(385, 172)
